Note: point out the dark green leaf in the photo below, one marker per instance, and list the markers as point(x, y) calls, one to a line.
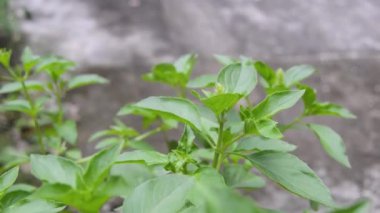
point(292, 174)
point(331, 142)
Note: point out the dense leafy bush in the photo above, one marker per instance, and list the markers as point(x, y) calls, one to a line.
point(226, 141)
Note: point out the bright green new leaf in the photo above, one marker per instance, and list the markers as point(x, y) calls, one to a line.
point(55, 169)
point(17, 86)
point(292, 174)
point(167, 74)
point(237, 176)
point(68, 131)
point(253, 144)
point(240, 78)
point(100, 164)
point(221, 102)
point(86, 79)
point(177, 108)
point(309, 97)
point(202, 81)
point(297, 73)
point(331, 142)
point(5, 57)
point(276, 102)
point(166, 193)
point(7, 179)
point(147, 157)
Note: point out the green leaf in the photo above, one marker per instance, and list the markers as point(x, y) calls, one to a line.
point(7, 179)
point(362, 206)
point(34, 206)
point(237, 176)
point(309, 97)
point(16, 105)
point(177, 108)
point(225, 60)
point(15, 194)
point(68, 131)
point(240, 78)
point(167, 74)
point(222, 102)
point(166, 193)
point(292, 174)
point(276, 102)
point(329, 109)
point(266, 72)
point(5, 57)
point(100, 164)
point(147, 157)
point(297, 73)
point(17, 86)
point(85, 80)
point(185, 64)
point(202, 81)
point(210, 194)
point(29, 60)
point(331, 142)
point(55, 67)
point(268, 128)
point(55, 169)
point(84, 201)
point(254, 143)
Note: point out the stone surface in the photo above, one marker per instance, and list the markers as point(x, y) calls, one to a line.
point(121, 39)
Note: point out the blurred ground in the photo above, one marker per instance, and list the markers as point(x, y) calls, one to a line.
point(121, 39)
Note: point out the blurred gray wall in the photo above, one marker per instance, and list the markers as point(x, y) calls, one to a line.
point(121, 39)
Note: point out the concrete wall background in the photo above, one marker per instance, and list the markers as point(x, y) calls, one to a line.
point(121, 39)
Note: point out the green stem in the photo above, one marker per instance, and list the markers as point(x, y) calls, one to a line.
point(148, 134)
point(34, 117)
point(293, 123)
point(218, 155)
